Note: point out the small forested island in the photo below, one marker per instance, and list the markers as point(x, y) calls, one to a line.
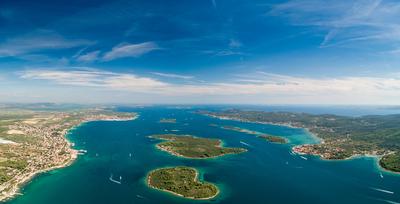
point(269, 138)
point(189, 146)
point(181, 181)
point(168, 120)
point(32, 140)
point(273, 139)
point(238, 129)
point(342, 136)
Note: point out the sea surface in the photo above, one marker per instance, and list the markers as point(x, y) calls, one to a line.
point(267, 173)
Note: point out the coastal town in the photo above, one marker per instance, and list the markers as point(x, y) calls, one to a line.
point(35, 142)
point(339, 137)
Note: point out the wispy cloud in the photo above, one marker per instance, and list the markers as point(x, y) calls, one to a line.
point(95, 78)
point(214, 3)
point(228, 53)
point(88, 57)
point(169, 75)
point(279, 87)
point(345, 21)
point(130, 50)
point(38, 41)
point(234, 43)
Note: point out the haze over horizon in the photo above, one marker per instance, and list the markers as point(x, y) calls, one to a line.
point(200, 52)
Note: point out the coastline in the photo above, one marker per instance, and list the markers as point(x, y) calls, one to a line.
point(177, 194)
point(320, 141)
point(15, 189)
point(19, 183)
point(354, 156)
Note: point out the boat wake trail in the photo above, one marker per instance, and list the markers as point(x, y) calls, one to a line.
point(139, 196)
point(382, 190)
point(387, 201)
point(305, 158)
point(115, 181)
point(244, 143)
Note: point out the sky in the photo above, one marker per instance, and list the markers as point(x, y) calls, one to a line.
point(200, 51)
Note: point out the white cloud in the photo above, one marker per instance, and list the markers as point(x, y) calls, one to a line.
point(95, 78)
point(228, 53)
point(214, 3)
point(277, 88)
point(345, 21)
point(233, 43)
point(88, 57)
point(130, 50)
point(38, 41)
point(168, 75)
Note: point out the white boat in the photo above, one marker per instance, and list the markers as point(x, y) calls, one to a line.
point(305, 158)
point(381, 175)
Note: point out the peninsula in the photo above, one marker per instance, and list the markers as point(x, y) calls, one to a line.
point(33, 141)
point(189, 146)
point(341, 137)
point(181, 181)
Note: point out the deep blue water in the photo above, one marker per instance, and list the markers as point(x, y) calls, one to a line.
point(267, 173)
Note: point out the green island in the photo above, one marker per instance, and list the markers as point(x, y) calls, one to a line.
point(181, 181)
point(342, 136)
point(167, 120)
point(269, 138)
point(189, 146)
point(32, 139)
point(273, 139)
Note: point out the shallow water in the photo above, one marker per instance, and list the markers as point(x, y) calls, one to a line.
point(267, 173)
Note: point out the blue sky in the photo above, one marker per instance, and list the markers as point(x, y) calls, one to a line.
point(208, 51)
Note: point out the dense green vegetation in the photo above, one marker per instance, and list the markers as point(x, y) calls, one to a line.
point(168, 120)
point(274, 139)
point(194, 147)
point(3, 176)
point(182, 181)
point(269, 138)
point(343, 136)
point(391, 162)
point(14, 164)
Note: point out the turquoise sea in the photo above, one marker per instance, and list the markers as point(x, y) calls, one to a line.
point(267, 173)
